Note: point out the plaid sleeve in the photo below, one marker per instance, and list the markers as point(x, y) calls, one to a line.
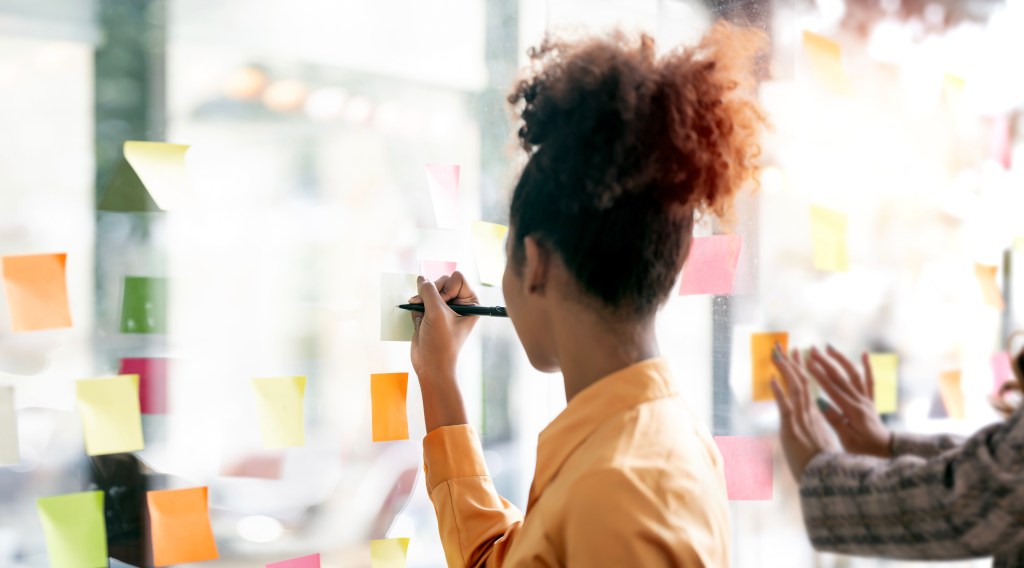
point(965, 502)
point(926, 446)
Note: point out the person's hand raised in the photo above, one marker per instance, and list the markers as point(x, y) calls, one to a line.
point(853, 415)
point(439, 332)
point(803, 431)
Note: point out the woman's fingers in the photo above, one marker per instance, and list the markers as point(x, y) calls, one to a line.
point(852, 375)
point(797, 361)
point(785, 408)
point(832, 373)
point(794, 385)
point(827, 382)
point(836, 420)
point(869, 376)
point(457, 288)
point(430, 297)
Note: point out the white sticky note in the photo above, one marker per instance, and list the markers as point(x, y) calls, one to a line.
point(9, 454)
point(395, 323)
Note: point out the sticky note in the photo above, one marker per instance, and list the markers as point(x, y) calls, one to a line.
point(762, 366)
point(180, 526)
point(1002, 371)
point(990, 291)
point(828, 237)
point(126, 193)
point(824, 57)
point(885, 370)
point(390, 419)
point(395, 289)
point(434, 269)
point(748, 467)
point(489, 251)
point(711, 265)
point(443, 182)
point(152, 373)
point(952, 394)
point(75, 529)
point(161, 167)
point(9, 453)
point(389, 552)
point(144, 305)
point(311, 561)
point(110, 414)
point(279, 406)
point(37, 291)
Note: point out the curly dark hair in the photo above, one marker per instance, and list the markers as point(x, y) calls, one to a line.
point(625, 147)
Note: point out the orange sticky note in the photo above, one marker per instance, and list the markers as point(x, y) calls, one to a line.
point(952, 394)
point(989, 286)
point(180, 526)
point(748, 467)
point(37, 291)
point(824, 57)
point(390, 420)
point(762, 365)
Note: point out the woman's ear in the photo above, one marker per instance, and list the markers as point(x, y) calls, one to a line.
point(536, 266)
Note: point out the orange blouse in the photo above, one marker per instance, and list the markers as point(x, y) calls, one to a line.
point(626, 476)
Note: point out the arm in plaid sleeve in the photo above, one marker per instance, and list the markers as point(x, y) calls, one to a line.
point(965, 502)
point(922, 445)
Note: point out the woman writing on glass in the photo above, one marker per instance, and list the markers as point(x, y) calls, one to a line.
point(624, 148)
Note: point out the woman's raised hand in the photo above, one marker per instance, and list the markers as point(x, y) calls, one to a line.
point(438, 337)
point(803, 431)
point(853, 415)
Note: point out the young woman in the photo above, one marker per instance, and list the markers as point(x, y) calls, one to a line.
point(624, 148)
point(892, 494)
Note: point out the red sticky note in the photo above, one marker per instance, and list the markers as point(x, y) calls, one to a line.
point(1001, 370)
point(748, 467)
point(152, 374)
point(311, 561)
point(443, 181)
point(711, 265)
point(434, 269)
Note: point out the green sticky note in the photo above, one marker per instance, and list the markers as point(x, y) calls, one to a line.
point(76, 533)
point(126, 193)
point(144, 305)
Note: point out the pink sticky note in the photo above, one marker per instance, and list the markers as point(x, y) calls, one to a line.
point(443, 181)
point(434, 269)
point(311, 561)
point(748, 467)
point(152, 382)
point(711, 265)
point(1001, 370)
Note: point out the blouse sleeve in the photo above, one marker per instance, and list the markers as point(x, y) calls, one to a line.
point(477, 525)
point(965, 502)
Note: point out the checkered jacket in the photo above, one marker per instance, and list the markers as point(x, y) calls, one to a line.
point(938, 498)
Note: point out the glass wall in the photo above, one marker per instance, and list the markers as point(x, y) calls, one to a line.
point(310, 123)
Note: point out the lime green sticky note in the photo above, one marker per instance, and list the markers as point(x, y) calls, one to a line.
point(885, 370)
point(161, 168)
point(828, 237)
point(279, 405)
point(489, 251)
point(75, 531)
point(111, 416)
point(144, 305)
point(389, 552)
point(126, 193)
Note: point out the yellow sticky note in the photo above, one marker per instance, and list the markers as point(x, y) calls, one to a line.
point(161, 167)
point(389, 552)
point(387, 394)
point(952, 394)
point(75, 529)
point(36, 291)
point(489, 251)
point(885, 370)
point(828, 237)
point(111, 416)
point(762, 365)
point(279, 405)
point(824, 57)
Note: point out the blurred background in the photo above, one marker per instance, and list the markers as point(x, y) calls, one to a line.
point(310, 123)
